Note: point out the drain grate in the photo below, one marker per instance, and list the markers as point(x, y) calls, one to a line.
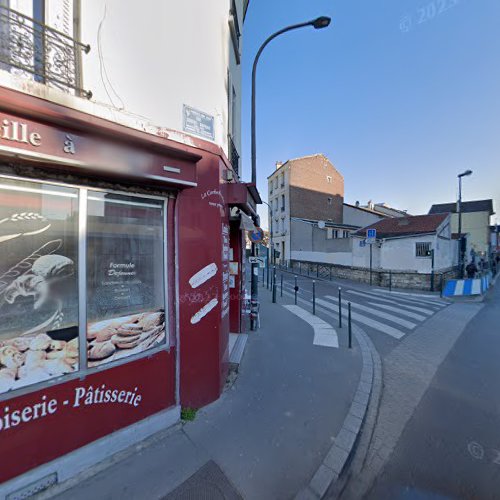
point(207, 483)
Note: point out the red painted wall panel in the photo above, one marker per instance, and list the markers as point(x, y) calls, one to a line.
point(73, 423)
point(204, 326)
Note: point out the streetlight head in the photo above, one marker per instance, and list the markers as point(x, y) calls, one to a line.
point(321, 22)
point(467, 172)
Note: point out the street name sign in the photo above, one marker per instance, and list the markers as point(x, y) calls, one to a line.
point(371, 236)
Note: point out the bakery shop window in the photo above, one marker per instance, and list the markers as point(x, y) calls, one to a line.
point(78, 268)
point(125, 276)
point(38, 282)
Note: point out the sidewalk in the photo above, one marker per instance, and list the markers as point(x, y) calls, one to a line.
point(264, 438)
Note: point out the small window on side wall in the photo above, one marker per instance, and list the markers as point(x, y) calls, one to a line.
point(422, 249)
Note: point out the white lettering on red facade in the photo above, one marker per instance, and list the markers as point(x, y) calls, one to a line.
point(19, 132)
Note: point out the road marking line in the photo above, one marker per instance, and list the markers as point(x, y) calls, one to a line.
point(411, 300)
point(324, 334)
point(429, 312)
point(376, 325)
point(427, 299)
point(381, 314)
point(398, 310)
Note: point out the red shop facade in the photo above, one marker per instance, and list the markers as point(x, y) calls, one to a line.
point(121, 261)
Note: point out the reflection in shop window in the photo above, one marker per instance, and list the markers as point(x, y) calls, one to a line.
point(125, 276)
point(38, 282)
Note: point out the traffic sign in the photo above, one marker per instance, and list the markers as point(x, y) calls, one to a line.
point(257, 235)
point(257, 260)
point(371, 236)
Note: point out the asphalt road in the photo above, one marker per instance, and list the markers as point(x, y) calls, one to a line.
point(450, 447)
point(386, 317)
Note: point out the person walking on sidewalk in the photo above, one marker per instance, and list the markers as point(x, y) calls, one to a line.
point(471, 269)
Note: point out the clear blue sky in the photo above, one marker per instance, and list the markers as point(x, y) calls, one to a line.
point(399, 107)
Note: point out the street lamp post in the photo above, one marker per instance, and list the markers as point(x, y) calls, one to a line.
point(459, 210)
point(319, 23)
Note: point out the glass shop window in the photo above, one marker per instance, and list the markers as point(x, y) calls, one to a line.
point(38, 282)
point(125, 276)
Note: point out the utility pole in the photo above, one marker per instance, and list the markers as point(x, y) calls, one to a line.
point(459, 210)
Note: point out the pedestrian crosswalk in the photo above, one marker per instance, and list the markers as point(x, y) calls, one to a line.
point(394, 314)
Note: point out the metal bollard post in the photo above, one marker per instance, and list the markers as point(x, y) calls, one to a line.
point(296, 289)
point(330, 273)
point(281, 291)
point(317, 270)
point(390, 281)
point(314, 297)
point(349, 324)
point(340, 307)
point(274, 285)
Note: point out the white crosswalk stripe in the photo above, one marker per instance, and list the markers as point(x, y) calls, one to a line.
point(403, 300)
point(376, 325)
point(411, 297)
point(393, 301)
point(380, 314)
point(409, 294)
point(410, 314)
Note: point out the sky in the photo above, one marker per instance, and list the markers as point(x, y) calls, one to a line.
point(400, 95)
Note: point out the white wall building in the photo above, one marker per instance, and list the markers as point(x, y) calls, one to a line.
point(405, 244)
point(152, 65)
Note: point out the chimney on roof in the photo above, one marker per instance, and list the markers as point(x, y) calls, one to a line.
point(357, 203)
point(278, 164)
point(370, 204)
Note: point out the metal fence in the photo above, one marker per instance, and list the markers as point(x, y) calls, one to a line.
point(31, 48)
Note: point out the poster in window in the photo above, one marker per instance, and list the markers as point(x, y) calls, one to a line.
point(125, 278)
point(38, 282)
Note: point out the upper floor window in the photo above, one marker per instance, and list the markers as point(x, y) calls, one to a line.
point(329, 200)
point(329, 179)
point(276, 183)
point(345, 234)
point(40, 44)
point(282, 202)
point(282, 177)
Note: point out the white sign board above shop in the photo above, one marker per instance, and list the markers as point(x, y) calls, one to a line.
point(198, 123)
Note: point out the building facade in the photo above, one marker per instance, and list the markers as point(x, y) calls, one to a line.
point(309, 187)
point(121, 225)
point(476, 217)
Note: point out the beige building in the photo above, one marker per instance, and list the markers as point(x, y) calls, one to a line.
point(309, 187)
point(475, 223)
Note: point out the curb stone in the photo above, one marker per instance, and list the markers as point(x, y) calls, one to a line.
point(344, 444)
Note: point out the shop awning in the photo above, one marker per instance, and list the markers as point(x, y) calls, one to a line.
point(246, 222)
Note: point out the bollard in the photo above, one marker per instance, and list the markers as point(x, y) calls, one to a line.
point(314, 297)
point(349, 324)
point(390, 281)
point(300, 267)
point(340, 307)
point(330, 273)
point(317, 270)
point(281, 291)
point(274, 285)
point(296, 289)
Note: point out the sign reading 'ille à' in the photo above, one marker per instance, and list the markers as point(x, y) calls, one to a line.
point(19, 132)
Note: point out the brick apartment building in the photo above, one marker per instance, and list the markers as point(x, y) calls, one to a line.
point(309, 187)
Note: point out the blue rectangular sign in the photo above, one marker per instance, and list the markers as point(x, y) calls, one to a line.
point(371, 233)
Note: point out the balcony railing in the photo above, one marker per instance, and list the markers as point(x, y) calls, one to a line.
point(234, 157)
point(31, 48)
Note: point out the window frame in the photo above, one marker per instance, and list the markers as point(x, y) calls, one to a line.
point(421, 245)
point(83, 369)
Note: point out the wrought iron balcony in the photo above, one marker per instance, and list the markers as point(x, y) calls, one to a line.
point(234, 157)
point(31, 48)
